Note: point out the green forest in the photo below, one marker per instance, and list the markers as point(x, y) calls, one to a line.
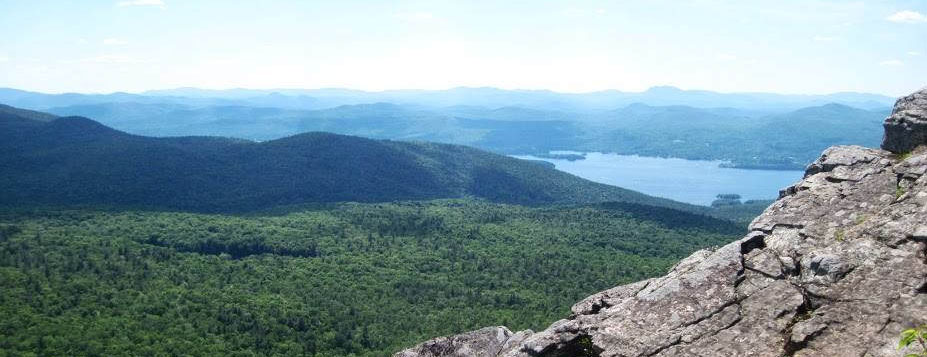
point(113, 244)
point(354, 279)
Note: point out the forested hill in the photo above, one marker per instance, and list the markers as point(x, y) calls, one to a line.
point(12, 113)
point(77, 161)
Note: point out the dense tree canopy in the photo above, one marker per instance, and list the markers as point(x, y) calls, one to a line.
point(340, 279)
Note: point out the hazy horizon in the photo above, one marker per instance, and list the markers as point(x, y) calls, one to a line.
point(273, 89)
point(789, 47)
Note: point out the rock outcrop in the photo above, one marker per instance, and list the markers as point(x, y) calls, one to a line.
point(836, 267)
point(906, 128)
point(485, 342)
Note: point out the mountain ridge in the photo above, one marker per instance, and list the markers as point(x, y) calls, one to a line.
point(483, 96)
point(75, 160)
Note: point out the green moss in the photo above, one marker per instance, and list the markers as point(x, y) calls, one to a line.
point(899, 191)
point(804, 316)
point(915, 341)
point(860, 219)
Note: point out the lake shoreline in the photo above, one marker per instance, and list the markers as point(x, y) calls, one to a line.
point(574, 155)
point(684, 180)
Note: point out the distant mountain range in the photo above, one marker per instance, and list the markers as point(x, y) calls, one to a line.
point(74, 161)
point(544, 99)
point(482, 97)
point(751, 130)
point(786, 140)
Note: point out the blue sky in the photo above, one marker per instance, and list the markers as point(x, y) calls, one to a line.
point(569, 46)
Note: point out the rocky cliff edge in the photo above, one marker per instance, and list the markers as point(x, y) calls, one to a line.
point(836, 267)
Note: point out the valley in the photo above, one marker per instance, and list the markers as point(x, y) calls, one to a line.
point(316, 244)
point(455, 178)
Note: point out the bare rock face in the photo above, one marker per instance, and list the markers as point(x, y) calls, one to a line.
point(485, 342)
point(906, 128)
point(836, 267)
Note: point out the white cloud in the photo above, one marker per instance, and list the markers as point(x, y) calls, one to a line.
point(726, 57)
point(820, 38)
point(907, 17)
point(112, 58)
point(416, 16)
point(891, 62)
point(913, 53)
point(114, 42)
point(4, 58)
point(140, 3)
point(578, 12)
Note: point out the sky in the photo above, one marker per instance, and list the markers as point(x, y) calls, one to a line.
point(783, 46)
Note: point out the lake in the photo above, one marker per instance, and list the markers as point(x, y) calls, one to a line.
point(691, 181)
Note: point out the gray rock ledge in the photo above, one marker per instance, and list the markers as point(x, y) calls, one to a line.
point(836, 267)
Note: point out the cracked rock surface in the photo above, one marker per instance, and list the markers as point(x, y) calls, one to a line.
point(836, 267)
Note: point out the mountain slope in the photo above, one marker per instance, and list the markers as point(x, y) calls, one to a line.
point(7, 113)
point(77, 161)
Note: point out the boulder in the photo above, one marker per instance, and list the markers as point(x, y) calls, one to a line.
point(906, 128)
